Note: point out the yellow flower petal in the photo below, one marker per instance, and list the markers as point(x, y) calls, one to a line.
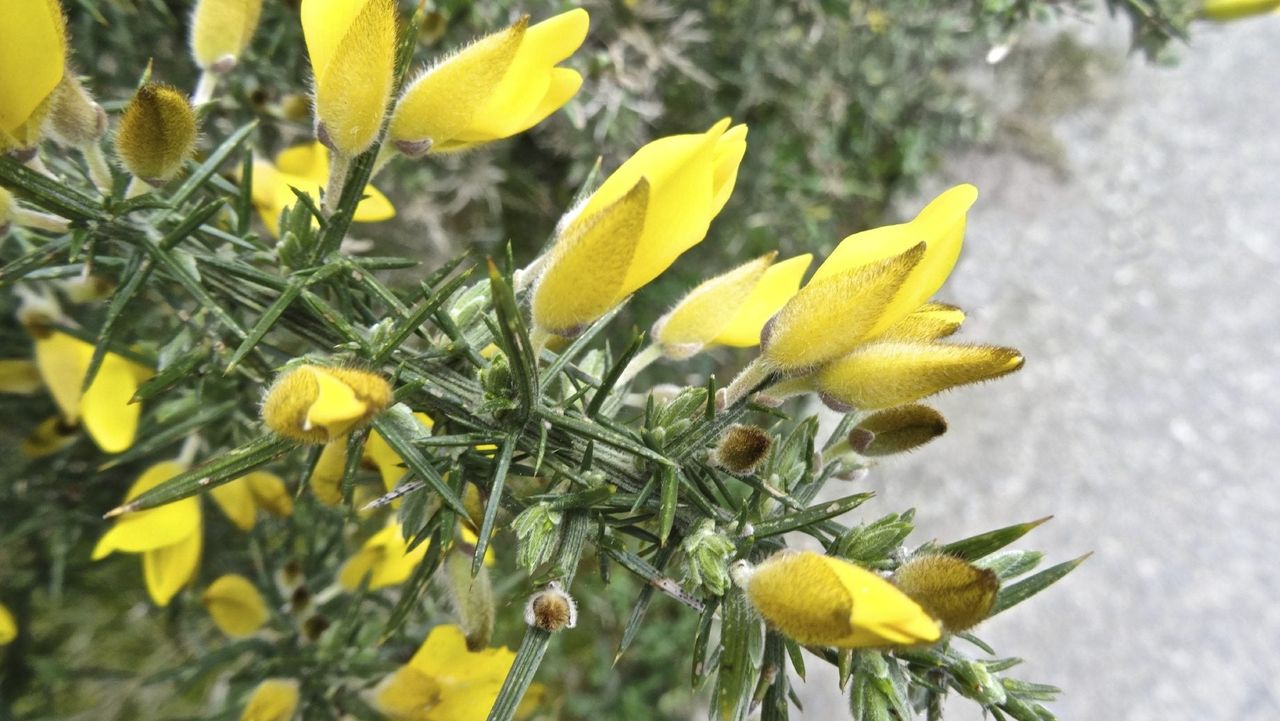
point(389, 463)
point(778, 284)
point(105, 409)
point(33, 50)
point(273, 700)
point(824, 601)
point(326, 477)
point(235, 605)
point(335, 407)
point(708, 309)
point(306, 167)
point(940, 225)
point(270, 493)
point(444, 656)
point(407, 695)
point(315, 404)
point(588, 266)
point(385, 558)
point(222, 29)
point(831, 316)
point(63, 361)
point(154, 528)
point(930, 321)
point(19, 376)
point(891, 373)
point(170, 568)
point(352, 48)
point(236, 501)
point(8, 626)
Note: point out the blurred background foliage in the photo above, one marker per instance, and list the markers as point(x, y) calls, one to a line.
point(849, 104)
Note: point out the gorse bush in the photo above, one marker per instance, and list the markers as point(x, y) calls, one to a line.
point(346, 492)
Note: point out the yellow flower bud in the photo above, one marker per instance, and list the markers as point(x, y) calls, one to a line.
point(385, 558)
point(824, 601)
point(655, 206)
point(157, 133)
point(897, 430)
point(955, 592)
point(235, 605)
point(733, 305)
point(75, 118)
point(352, 48)
point(314, 404)
point(884, 374)
point(273, 700)
point(8, 626)
point(33, 52)
point(240, 499)
point(221, 30)
point(1223, 10)
point(500, 85)
point(930, 321)
point(169, 537)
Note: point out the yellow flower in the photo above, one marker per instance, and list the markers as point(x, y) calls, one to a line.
point(655, 206)
point(33, 56)
point(275, 699)
point(446, 682)
point(1222, 10)
point(305, 167)
point(104, 409)
point(731, 308)
point(823, 601)
point(235, 605)
point(872, 280)
point(326, 478)
point(221, 30)
point(8, 626)
point(240, 499)
point(883, 374)
point(315, 404)
point(385, 558)
point(352, 44)
point(168, 536)
point(157, 133)
point(500, 85)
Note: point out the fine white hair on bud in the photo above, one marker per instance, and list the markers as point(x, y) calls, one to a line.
point(740, 571)
point(551, 609)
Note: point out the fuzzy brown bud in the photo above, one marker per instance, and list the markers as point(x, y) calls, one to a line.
point(157, 133)
point(897, 430)
point(551, 609)
point(75, 119)
point(742, 448)
point(957, 593)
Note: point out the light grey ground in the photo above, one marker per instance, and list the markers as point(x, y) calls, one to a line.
point(1144, 288)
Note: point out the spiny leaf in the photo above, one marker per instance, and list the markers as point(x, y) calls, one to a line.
point(975, 547)
point(496, 484)
point(809, 516)
point(398, 433)
point(1016, 593)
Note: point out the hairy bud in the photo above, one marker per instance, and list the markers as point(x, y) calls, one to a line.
point(897, 430)
point(157, 133)
point(955, 592)
point(742, 448)
point(551, 609)
point(75, 119)
point(472, 598)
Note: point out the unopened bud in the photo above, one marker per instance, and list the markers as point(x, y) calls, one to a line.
point(952, 590)
point(289, 577)
point(221, 30)
point(300, 601)
point(75, 119)
point(742, 448)
point(978, 683)
point(157, 133)
point(315, 404)
point(295, 107)
point(314, 627)
point(897, 430)
point(472, 598)
point(551, 609)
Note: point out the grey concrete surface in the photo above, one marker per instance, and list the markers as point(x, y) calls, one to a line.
point(1143, 286)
